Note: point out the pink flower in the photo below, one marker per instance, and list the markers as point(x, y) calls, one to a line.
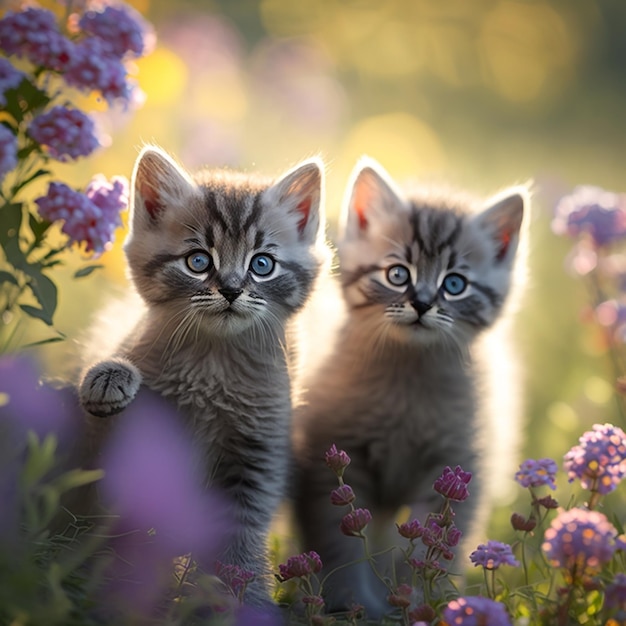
point(300, 565)
point(452, 484)
point(343, 495)
point(411, 530)
point(337, 460)
point(8, 151)
point(66, 132)
point(353, 523)
point(234, 577)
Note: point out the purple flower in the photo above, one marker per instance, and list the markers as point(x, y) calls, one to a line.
point(337, 460)
point(452, 484)
point(353, 523)
point(593, 211)
point(492, 555)
point(8, 151)
point(10, 78)
point(600, 459)
point(68, 133)
point(411, 530)
point(580, 541)
point(343, 495)
point(615, 594)
point(536, 473)
point(34, 34)
point(90, 218)
point(93, 68)
point(300, 565)
point(519, 522)
point(120, 29)
point(476, 611)
point(234, 577)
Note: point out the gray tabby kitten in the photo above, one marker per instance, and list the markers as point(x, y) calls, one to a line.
point(222, 261)
point(422, 275)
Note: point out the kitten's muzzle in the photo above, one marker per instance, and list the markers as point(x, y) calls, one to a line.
point(230, 294)
point(420, 306)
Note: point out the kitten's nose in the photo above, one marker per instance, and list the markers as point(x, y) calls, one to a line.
point(421, 307)
point(230, 294)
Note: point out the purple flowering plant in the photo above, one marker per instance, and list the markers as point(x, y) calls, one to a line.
point(49, 62)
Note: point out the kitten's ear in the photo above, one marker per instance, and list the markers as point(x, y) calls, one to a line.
point(503, 218)
point(157, 182)
point(370, 194)
point(301, 191)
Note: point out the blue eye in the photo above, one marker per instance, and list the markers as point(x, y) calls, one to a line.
point(398, 275)
point(455, 284)
point(199, 262)
point(262, 264)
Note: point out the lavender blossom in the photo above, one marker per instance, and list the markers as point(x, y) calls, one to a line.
point(536, 473)
point(8, 151)
point(476, 611)
point(600, 459)
point(580, 541)
point(10, 78)
point(593, 211)
point(492, 555)
point(120, 29)
point(452, 484)
point(67, 133)
point(34, 34)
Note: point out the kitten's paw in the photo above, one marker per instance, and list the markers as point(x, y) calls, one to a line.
point(109, 387)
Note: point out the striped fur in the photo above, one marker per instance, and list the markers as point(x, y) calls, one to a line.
point(399, 391)
point(212, 334)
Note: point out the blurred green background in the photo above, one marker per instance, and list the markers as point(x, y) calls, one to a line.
point(479, 93)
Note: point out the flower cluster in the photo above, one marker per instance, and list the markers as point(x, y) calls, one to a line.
point(8, 151)
point(300, 565)
point(10, 78)
point(475, 611)
point(599, 461)
point(537, 473)
point(234, 577)
point(492, 555)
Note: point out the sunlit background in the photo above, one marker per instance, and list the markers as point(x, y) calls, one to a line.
point(481, 94)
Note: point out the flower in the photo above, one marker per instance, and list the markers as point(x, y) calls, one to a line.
point(342, 495)
point(234, 577)
point(90, 218)
point(300, 565)
point(615, 593)
point(536, 473)
point(353, 523)
point(475, 611)
point(66, 132)
point(580, 541)
point(519, 522)
point(8, 151)
point(411, 530)
point(492, 555)
point(337, 460)
point(10, 78)
point(593, 211)
point(600, 459)
point(452, 484)
point(120, 29)
point(34, 34)
point(93, 68)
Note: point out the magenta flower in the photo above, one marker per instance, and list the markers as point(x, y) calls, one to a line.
point(476, 611)
point(67, 133)
point(492, 555)
point(121, 30)
point(353, 523)
point(234, 577)
point(411, 530)
point(8, 151)
point(92, 68)
point(600, 459)
point(337, 460)
point(593, 211)
point(300, 565)
point(536, 473)
point(452, 484)
point(10, 78)
point(34, 34)
point(580, 541)
point(342, 496)
point(89, 219)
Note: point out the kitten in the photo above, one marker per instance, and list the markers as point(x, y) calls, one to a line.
point(222, 261)
point(422, 275)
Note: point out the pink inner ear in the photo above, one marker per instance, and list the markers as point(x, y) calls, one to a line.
point(150, 200)
point(359, 203)
point(504, 241)
point(304, 209)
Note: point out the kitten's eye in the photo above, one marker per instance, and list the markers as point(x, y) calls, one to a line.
point(199, 262)
point(262, 264)
point(398, 275)
point(454, 284)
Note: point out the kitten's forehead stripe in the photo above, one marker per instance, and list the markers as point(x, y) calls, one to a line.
point(255, 212)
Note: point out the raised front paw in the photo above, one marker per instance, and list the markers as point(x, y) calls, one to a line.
point(109, 387)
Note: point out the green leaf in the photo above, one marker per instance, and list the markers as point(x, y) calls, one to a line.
point(85, 271)
point(77, 478)
point(40, 459)
point(10, 224)
point(7, 277)
point(45, 291)
point(43, 342)
point(38, 174)
point(23, 99)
